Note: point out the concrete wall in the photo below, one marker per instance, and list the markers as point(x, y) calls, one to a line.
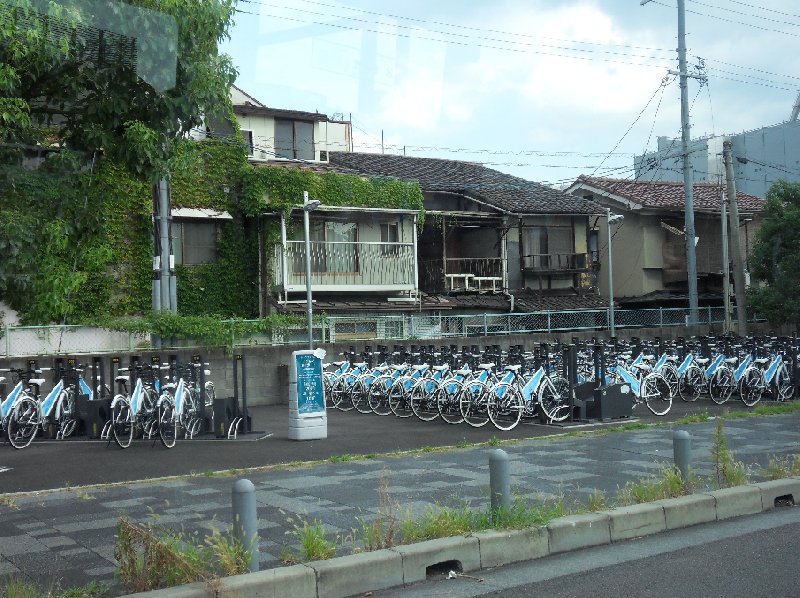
point(331, 136)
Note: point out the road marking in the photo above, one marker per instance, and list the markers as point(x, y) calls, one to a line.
point(4, 469)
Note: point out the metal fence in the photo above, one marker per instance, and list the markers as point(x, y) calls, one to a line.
point(70, 340)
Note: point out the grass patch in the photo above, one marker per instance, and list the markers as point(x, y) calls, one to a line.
point(341, 458)
point(782, 467)
point(8, 502)
point(16, 588)
point(668, 483)
point(149, 559)
point(314, 545)
point(727, 470)
point(696, 418)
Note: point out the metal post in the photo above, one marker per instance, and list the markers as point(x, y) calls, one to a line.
point(306, 228)
point(610, 276)
point(499, 480)
point(682, 452)
point(245, 520)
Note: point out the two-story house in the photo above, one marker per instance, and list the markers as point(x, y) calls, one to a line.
point(519, 244)
point(649, 247)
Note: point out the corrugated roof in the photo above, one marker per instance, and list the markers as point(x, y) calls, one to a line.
point(666, 195)
point(503, 191)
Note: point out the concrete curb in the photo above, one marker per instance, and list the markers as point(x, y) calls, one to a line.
point(403, 565)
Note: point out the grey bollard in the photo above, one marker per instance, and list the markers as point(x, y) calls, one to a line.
point(499, 479)
point(245, 521)
point(682, 450)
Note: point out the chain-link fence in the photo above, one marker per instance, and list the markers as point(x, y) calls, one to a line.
point(68, 340)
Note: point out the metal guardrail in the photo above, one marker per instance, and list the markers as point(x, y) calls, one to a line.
point(18, 341)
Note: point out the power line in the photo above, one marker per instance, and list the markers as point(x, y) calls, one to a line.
point(465, 27)
point(744, 14)
point(718, 18)
point(772, 10)
point(476, 45)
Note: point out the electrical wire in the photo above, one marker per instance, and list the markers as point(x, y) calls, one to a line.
point(735, 22)
point(744, 14)
point(464, 27)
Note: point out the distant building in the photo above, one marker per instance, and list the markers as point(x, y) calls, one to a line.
point(761, 157)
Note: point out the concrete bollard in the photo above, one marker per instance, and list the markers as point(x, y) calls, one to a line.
point(682, 451)
point(499, 479)
point(245, 521)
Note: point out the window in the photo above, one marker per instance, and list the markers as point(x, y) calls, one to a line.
point(547, 247)
point(194, 242)
point(294, 139)
point(333, 247)
point(248, 141)
point(390, 233)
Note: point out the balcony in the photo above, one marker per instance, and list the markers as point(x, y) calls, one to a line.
point(459, 274)
point(345, 267)
point(556, 263)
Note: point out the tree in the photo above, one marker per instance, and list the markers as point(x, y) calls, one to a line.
point(125, 77)
point(83, 81)
point(774, 261)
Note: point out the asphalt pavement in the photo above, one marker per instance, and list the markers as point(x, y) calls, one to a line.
point(62, 499)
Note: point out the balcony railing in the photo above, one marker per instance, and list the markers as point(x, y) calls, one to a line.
point(438, 276)
point(557, 262)
point(345, 266)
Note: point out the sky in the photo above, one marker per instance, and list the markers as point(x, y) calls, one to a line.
point(543, 89)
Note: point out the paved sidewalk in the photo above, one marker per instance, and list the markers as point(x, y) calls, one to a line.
point(67, 536)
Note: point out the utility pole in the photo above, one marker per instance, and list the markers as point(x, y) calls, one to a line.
point(726, 270)
point(736, 248)
point(688, 189)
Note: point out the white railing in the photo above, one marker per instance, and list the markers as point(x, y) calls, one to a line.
point(359, 266)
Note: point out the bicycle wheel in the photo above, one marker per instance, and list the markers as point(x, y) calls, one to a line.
point(329, 384)
point(656, 393)
point(721, 385)
point(359, 396)
point(670, 373)
point(751, 386)
point(505, 406)
point(447, 401)
point(473, 403)
point(554, 398)
point(691, 384)
point(23, 422)
point(782, 383)
point(122, 422)
point(66, 411)
point(190, 413)
point(400, 397)
point(379, 395)
point(423, 400)
point(167, 423)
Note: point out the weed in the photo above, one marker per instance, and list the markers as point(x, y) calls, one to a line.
point(668, 483)
point(371, 456)
point(149, 560)
point(783, 467)
point(381, 532)
point(494, 441)
point(727, 470)
point(313, 543)
point(462, 443)
point(597, 501)
point(427, 449)
point(340, 458)
point(696, 418)
point(83, 495)
point(9, 502)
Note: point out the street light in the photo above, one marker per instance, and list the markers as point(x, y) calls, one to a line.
point(611, 219)
point(308, 206)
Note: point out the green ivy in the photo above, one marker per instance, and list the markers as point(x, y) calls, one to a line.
point(77, 242)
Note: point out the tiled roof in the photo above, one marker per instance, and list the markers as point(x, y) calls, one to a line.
point(667, 195)
point(497, 189)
